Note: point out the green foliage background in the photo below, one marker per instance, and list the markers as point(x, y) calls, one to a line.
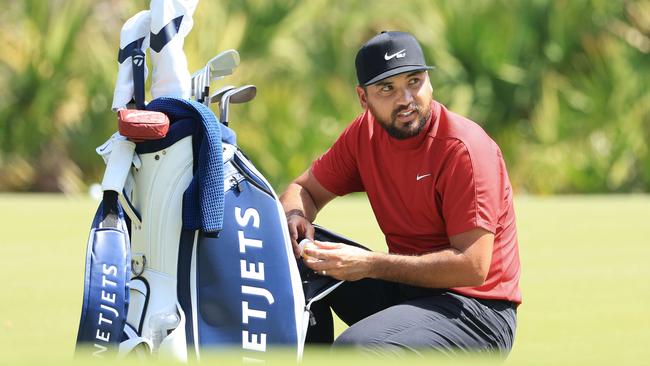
point(561, 85)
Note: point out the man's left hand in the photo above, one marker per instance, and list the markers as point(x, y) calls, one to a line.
point(340, 261)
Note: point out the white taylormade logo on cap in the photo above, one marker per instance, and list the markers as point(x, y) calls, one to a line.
point(398, 54)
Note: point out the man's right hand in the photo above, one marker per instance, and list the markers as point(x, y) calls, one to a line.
point(299, 227)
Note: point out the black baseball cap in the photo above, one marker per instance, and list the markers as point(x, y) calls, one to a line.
point(388, 54)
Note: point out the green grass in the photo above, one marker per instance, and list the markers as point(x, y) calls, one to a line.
point(584, 259)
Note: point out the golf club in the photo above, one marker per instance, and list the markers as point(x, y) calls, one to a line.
point(219, 66)
point(242, 94)
point(216, 96)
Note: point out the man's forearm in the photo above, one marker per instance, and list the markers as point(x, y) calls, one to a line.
point(443, 269)
point(465, 263)
point(296, 200)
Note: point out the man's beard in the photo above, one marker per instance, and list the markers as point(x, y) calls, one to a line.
point(401, 134)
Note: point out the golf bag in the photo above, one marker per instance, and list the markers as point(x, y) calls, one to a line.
point(211, 259)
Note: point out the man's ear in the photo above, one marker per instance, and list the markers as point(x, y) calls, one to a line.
point(362, 97)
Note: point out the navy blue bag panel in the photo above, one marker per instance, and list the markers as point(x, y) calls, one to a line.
point(245, 295)
point(106, 287)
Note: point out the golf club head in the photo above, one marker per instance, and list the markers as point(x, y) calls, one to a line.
point(219, 66)
point(216, 96)
point(244, 94)
point(239, 95)
point(222, 64)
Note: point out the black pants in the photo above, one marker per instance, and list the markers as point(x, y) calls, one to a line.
point(389, 318)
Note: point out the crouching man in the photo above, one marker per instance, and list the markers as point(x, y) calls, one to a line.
point(439, 189)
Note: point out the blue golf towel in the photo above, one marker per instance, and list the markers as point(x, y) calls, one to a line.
point(203, 201)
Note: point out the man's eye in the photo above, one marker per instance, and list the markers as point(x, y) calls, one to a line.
point(386, 88)
point(414, 81)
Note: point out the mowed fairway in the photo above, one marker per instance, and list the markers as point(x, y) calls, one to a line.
point(585, 261)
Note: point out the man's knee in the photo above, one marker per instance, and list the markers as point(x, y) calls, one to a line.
point(354, 337)
point(370, 343)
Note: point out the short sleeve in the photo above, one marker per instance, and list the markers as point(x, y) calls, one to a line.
point(337, 169)
point(471, 188)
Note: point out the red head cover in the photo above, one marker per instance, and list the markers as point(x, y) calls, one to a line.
point(138, 125)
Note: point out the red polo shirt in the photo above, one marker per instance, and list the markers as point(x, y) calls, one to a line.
point(449, 179)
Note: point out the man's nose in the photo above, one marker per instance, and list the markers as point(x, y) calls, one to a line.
point(405, 97)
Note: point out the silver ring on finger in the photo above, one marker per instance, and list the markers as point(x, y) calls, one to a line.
point(324, 272)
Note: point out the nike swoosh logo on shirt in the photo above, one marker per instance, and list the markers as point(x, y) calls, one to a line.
point(398, 54)
point(418, 177)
